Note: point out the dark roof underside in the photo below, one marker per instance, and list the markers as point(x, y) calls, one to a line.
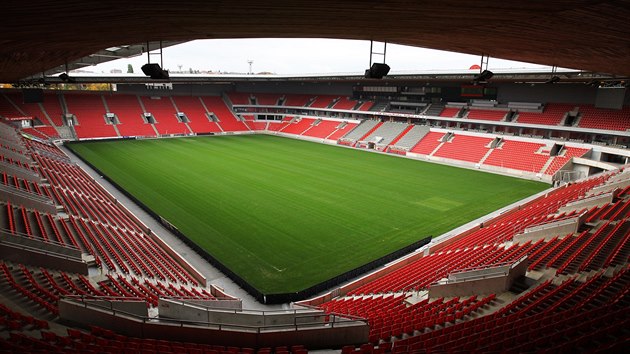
point(37, 35)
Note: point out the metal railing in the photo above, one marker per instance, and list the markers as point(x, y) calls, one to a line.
point(331, 320)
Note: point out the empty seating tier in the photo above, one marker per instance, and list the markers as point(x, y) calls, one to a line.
point(607, 119)
point(449, 112)
point(227, 119)
point(90, 113)
point(323, 101)
point(165, 115)
point(518, 155)
point(430, 141)
point(486, 114)
point(196, 114)
point(552, 114)
point(323, 129)
point(465, 148)
point(299, 126)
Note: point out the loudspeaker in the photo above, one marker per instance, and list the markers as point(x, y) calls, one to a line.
point(377, 71)
point(154, 71)
point(484, 76)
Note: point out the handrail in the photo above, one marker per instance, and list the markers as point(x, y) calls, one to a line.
point(199, 299)
point(485, 275)
point(4, 231)
point(337, 319)
point(25, 194)
point(261, 312)
point(473, 277)
point(482, 267)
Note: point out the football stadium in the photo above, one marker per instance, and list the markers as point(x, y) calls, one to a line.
point(432, 211)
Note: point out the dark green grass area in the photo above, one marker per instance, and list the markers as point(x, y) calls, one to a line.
point(287, 214)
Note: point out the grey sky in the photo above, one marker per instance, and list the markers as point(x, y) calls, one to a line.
point(302, 56)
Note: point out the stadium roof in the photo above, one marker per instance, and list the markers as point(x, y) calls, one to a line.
point(39, 35)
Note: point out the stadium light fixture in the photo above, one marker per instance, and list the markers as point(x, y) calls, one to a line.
point(377, 70)
point(154, 70)
point(67, 78)
point(484, 76)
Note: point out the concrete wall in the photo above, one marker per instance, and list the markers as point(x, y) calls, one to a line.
point(588, 203)
point(20, 172)
point(319, 337)
point(609, 187)
point(138, 308)
point(15, 156)
point(550, 230)
point(28, 200)
point(189, 312)
point(593, 163)
point(41, 258)
point(218, 292)
point(494, 283)
point(224, 304)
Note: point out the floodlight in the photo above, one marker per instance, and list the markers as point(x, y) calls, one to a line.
point(154, 71)
point(377, 71)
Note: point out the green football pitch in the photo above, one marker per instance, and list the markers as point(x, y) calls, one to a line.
point(286, 214)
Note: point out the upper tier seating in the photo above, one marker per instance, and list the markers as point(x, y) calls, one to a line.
point(53, 108)
point(552, 114)
point(449, 112)
point(486, 114)
point(345, 103)
point(90, 113)
point(227, 119)
point(130, 115)
point(165, 115)
point(239, 98)
point(23, 109)
point(196, 113)
point(7, 109)
point(294, 100)
point(323, 101)
point(601, 118)
point(366, 106)
point(267, 99)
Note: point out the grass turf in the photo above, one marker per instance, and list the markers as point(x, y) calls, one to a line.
point(287, 214)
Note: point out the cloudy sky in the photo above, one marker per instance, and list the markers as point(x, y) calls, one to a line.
point(302, 56)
